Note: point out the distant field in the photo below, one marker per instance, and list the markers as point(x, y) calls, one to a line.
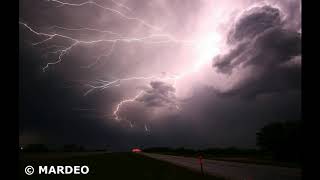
point(113, 166)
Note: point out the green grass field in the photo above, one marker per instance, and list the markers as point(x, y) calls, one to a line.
point(113, 166)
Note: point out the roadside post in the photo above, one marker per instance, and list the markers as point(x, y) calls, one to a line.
point(201, 162)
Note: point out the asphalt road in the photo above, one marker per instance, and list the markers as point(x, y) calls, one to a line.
point(233, 170)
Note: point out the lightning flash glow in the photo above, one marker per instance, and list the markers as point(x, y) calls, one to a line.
point(205, 47)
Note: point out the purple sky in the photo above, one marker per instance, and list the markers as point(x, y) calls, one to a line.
point(157, 73)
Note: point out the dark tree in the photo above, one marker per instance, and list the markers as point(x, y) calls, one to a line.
point(282, 140)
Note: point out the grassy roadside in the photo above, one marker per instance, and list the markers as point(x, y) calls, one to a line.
point(111, 166)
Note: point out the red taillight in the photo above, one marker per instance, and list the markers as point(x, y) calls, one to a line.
point(136, 150)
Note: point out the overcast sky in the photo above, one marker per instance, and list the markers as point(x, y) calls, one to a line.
point(192, 73)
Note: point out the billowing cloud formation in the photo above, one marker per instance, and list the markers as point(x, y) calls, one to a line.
point(159, 94)
point(260, 42)
point(254, 22)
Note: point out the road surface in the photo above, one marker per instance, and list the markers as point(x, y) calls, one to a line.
point(233, 170)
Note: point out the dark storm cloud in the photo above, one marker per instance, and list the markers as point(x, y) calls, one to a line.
point(292, 11)
point(223, 62)
point(159, 94)
point(254, 22)
point(260, 41)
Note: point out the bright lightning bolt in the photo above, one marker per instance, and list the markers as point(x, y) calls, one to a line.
point(121, 5)
point(107, 84)
point(155, 38)
point(152, 40)
point(115, 113)
point(61, 3)
point(104, 55)
point(146, 128)
point(85, 29)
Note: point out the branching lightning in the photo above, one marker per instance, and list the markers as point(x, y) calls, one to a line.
point(149, 39)
point(61, 3)
point(115, 113)
point(121, 5)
